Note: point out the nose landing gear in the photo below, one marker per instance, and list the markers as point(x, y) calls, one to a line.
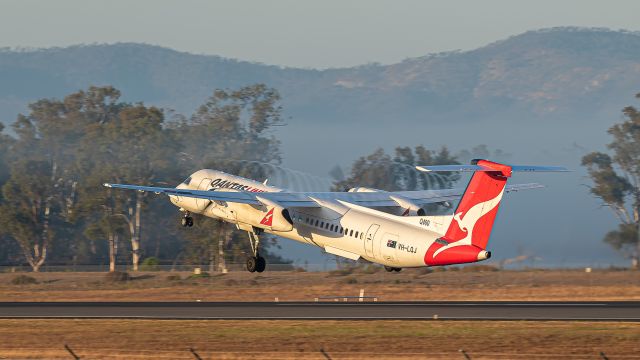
point(392, 269)
point(187, 220)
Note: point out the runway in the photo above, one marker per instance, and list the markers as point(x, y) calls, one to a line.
point(588, 311)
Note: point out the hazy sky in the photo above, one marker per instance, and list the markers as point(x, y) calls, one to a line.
point(322, 33)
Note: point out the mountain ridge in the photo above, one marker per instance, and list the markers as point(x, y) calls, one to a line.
point(547, 75)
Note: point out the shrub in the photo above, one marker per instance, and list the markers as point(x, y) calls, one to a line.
point(150, 264)
point(372, 269)
point(202, 275)
point(479, 268)
point(341, 272)
point(230, 282)
point(23, 280)
point(117, 276)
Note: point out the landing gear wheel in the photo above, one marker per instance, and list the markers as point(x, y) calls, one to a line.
point(397, 269)
point(256, 262)
point(261, 264)
point(187, 221)
point(389, 268)
point(252, 264)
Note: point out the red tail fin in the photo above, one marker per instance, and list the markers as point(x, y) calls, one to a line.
point(467, 236)
point(473, 219)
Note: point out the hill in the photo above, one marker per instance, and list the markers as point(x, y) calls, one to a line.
point(563, 74)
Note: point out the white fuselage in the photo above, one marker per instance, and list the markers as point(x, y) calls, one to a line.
point(342, 229)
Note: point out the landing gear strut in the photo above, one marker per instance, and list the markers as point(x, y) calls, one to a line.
point(255, 263)
point(392, 269)
point(187, 220)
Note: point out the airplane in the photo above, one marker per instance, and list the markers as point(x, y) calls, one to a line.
point(388, 228)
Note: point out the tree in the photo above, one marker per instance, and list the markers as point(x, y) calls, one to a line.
point(230, 132)
point(380, 171)
point(40, 191)
point(28, 209)
point(5, 147)
point(126, 146)
point(616, 181)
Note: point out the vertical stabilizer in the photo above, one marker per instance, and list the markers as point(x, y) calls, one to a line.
point(476, 212)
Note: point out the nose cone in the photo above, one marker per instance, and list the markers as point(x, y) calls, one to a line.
point(176, 199)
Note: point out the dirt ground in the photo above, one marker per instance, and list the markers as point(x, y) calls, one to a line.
point(306, 286)
point(170, 339)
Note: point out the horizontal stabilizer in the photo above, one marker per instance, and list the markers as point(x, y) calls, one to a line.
point(473, 168)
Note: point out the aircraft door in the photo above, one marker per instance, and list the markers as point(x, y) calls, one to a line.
point(368, 239)
point(201, 204)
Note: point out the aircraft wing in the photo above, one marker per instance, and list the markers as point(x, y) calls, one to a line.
point(309, 199)
point(232, 196)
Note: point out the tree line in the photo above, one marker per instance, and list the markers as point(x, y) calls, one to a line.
point(55, 158)
point(54, 209)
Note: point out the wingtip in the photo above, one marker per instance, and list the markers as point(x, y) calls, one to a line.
point(107, 185)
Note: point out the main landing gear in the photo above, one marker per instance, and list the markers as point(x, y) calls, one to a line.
point(255, 263)
point(392, 269)
point(187, 220)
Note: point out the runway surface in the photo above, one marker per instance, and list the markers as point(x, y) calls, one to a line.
point(592, 311)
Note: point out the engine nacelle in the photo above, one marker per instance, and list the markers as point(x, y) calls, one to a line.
point(408, 207)
point(363, 189)
point(276, 219)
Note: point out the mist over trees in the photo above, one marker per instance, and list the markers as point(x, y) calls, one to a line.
point(380, 170)
point(616, 181)
point(54, 209)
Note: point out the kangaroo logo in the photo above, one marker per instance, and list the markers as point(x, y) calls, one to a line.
point(268, 219)
point(467, 221)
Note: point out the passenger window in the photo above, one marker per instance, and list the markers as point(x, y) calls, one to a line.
point(316, 222)
point(326, 226)
point(356, 234)
point(361, 235)
point(322, 224)
point(346, 231)
point(351, 232)
point(331, 229)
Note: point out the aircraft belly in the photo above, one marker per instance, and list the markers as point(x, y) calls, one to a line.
point(343, 243)
point(294, 235)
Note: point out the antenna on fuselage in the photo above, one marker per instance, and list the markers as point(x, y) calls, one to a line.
point(265, 181)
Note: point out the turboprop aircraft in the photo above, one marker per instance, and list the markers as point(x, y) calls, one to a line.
point(389, 228)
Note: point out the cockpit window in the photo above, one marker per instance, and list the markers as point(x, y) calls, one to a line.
point(187, 180)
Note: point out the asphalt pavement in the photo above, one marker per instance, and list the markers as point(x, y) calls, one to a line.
point(352, 310)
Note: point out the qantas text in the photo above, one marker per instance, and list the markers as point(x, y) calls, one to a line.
point(224, 184)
